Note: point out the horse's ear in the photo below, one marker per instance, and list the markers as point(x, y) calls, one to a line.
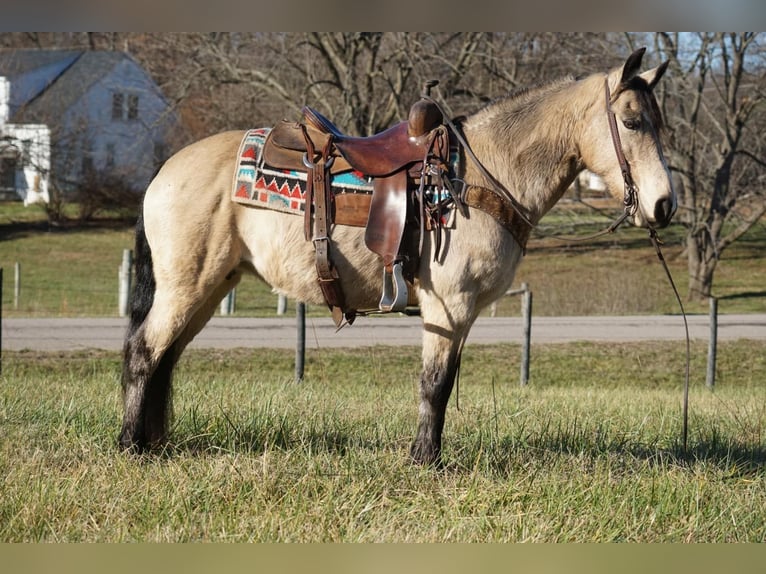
point(632, 65)
point(653, 76)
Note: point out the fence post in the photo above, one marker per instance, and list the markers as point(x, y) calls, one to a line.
point(712, 344)
point(16, 284)
point(1, 320)
point(229, 303)
point(526, 317)
point(281, 304)
point(124, 276)
point(300, 347)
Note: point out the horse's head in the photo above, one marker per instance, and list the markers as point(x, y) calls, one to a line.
point(629, 156)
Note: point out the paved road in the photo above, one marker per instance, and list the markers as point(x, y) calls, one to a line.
point(224, 333)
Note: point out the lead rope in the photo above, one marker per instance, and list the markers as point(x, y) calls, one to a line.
point(656, 242)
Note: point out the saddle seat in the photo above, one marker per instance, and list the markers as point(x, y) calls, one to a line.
point(381, 154)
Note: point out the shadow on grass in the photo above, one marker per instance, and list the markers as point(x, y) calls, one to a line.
point(744, 295)
point(735, 458)
point(21, 229)
point(255, 437)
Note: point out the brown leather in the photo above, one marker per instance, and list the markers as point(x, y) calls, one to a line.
point(388, 212)
point(285, 147)
point(379, 155)
point(352, 209)
point(424, 117)
point(393, 158)
point(327, 275)
point(493, 204)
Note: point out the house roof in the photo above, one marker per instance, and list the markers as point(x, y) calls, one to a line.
point(45, 83)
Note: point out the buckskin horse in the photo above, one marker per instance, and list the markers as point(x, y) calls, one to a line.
point(452, 250)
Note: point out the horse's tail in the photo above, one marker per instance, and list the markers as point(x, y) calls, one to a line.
point(142, 297)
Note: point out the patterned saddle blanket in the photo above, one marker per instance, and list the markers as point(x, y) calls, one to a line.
point(260, 185)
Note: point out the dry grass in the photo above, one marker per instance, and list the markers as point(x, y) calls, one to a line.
point(589, 452)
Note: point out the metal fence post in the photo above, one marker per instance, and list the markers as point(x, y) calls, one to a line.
point(300, 347)
point(281, 305)
point(712, 344)
point(16, 284)
point(228, 303)
point(125, 276)
point(1, 320)
point(526, 317)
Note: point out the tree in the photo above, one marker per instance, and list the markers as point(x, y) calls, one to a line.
point(713, 105)
point(363, 81)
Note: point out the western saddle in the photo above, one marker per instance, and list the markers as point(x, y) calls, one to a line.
point(402, 161)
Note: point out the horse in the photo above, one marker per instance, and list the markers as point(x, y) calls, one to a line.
point(193, 243)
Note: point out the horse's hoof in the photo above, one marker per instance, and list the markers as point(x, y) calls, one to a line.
point(131, 445)
point(425, 455)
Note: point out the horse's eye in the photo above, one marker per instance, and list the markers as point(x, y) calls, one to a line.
point(632, 124)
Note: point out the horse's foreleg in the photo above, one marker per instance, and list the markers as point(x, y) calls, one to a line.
point(441, 359)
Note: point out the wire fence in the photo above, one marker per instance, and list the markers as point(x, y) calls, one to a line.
point(32, 292)
point(228, 306)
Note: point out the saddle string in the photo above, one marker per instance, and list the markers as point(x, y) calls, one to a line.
point(498, 187)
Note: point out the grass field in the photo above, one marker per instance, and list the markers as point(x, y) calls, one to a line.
point(590, 451)
point(73, 271)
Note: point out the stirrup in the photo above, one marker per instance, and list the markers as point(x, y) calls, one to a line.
point(395, 294)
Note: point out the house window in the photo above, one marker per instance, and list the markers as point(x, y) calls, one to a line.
point(124, 106)
point(117, 105)
point(26, 152)
point(8, 173)
point(160, 152)
point(132, 107)
point(88, 168)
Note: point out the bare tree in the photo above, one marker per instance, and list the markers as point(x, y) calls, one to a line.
point(363, 81)
point(713, 105)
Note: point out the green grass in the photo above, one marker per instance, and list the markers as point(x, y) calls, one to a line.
point(70, 272)
point(73, 271)
point(590, 451)
point(620, 274)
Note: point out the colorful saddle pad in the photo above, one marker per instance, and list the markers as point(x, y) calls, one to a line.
point(258, 184)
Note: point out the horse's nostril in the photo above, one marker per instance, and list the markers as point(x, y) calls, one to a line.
point(663, 211)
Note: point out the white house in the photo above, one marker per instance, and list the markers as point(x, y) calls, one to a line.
point(107, 119)
point(24, 155)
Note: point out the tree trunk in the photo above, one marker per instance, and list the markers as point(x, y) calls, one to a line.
point(702, 263)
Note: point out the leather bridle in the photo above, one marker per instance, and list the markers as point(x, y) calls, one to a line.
point(631, 189)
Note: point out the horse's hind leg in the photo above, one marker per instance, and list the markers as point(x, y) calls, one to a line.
point(165, 315)
point(151, 353)
point(146, 384)
point(207, 309)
